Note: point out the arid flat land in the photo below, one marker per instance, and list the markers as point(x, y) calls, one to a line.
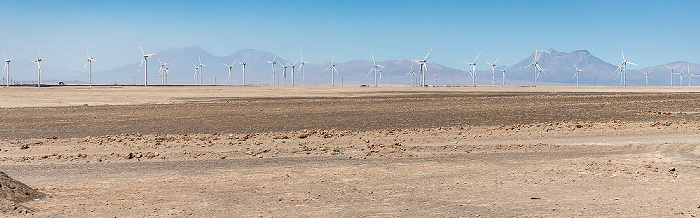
point(323, 151)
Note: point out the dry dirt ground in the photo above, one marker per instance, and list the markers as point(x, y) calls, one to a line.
point(351, 151)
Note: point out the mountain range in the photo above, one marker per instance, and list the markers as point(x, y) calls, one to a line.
point(559, 70)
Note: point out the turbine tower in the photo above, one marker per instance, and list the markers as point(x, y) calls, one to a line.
point(423, 65)
point(230, 67)
point(671, 68)
point(145, 68)
point(504, 76)
point(7, 69)
point(333, 70)
point(88, 62)
point(680, 77)
point(301, 68)
point(576, 74)
point(646, 76)
point(472, 72)
point(284, 73)
point(623, 69)
point(243, 64)
point(273, 62)
point(38, 64)
point(493, 70)
point(294, 65)
point(201, 70)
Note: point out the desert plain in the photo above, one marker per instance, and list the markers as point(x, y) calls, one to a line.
point(351, 151)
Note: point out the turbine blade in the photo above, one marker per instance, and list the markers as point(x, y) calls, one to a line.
point(426, 56)
point(86, 63)
point(144, 54)
point(141, 64)
point(499, 58)
point(477, 56)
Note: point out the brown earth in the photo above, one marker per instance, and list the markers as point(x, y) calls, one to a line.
point(361, 152)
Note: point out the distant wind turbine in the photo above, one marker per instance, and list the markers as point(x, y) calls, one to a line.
point(536, 65)
point(493, 70)
point(576, 74)
point(273, 62)
point(423, 67)
point(88, 62)
point(646, 76)
point(230, 67)
point(333, 70)
point(144, 60)
point(472, 72)
point(243, 64)
point(38, 64)
point(7, 69)
point(623, 68)
point(671, 68)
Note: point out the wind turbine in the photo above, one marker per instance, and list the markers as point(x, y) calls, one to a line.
point(230, 67)
point(145, 70)
point(538, 73)
point(273, 62)
point(646, 76)
point(680, 76)
point(493, 70)
point(689, 74)
point(412, 74)
point(301, 68)
point(88, 62)
point(671, 68)
point(38, 64)
point(7, 69)
point(374, 68)
point(472, 72)
point(163, 72)
point(623, 69)
point(576, 74)
point(423, 66)
point(243, 64)
point(333, 70)
point(504, 76)
point(534, 63)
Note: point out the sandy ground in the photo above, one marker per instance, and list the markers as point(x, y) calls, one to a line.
point(390, 151)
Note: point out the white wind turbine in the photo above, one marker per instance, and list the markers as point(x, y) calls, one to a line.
point(38, 64)
point(412, 74)
point(273, 62)
point(472, 72)
point(7, 69)
point(145, 68)
point(301, 68)
point(88, 62)
point(680, 76)
point(333, 70)
point(504, 76)
point(689, 74)
point(646, 76)
point(423, 66)
point(493, 70)
point(374, 68)
point(537, 67)
point(538, 74)
point(230, 67)
point(623, 68)
point(671, 68)
point(576, 74)
point(163, 72)
point(243, 64)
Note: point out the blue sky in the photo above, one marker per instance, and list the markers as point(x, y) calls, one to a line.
point(652, 32)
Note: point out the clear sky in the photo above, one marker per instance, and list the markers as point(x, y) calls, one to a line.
point(652, 32)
